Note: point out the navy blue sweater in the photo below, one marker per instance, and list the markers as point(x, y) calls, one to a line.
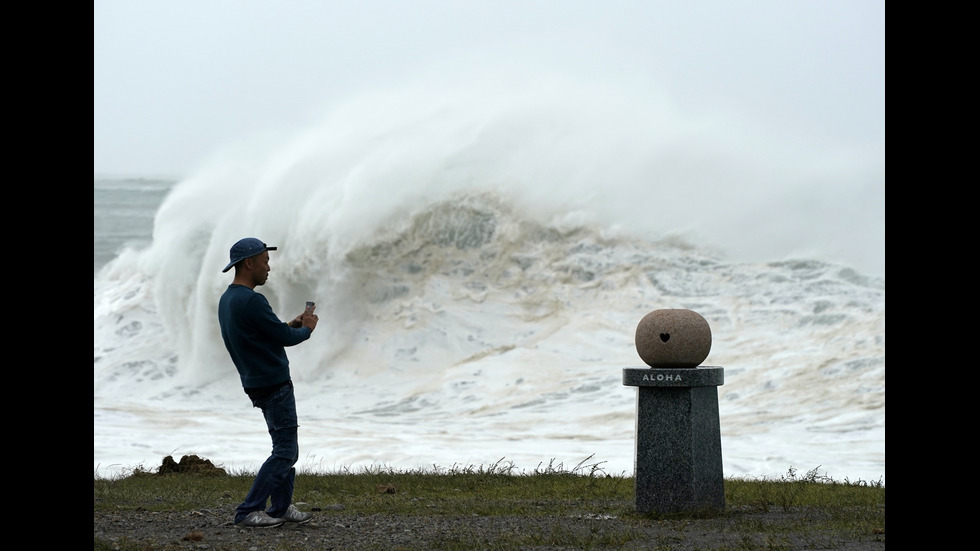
point(255, 337)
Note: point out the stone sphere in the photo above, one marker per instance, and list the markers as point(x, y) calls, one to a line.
point(673, 338)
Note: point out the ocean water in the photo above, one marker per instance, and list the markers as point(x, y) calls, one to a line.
point(479, 273)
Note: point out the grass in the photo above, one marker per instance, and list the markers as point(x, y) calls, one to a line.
point(849, 510)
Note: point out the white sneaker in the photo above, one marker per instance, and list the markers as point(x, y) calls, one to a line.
point(293, 514)
point(259, 519)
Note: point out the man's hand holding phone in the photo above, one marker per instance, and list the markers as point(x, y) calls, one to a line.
point(308, 318)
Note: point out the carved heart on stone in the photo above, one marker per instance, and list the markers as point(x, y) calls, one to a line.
point(673, 338)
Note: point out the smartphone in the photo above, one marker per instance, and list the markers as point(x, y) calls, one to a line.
point(310, 304)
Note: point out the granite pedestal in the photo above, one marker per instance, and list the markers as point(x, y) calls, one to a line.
point(678, 439)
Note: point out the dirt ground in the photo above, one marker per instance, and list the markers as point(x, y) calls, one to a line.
point(340, 530)
point(343, 531)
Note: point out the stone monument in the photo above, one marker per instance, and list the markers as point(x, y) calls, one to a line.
point(678, 431)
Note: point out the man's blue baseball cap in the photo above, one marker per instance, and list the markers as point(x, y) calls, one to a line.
point(245, 248)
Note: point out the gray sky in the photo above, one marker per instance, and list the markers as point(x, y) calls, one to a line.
point(176, 80)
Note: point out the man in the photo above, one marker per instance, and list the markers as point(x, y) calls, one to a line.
point(256, 338)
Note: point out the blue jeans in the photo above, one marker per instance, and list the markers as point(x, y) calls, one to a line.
point(276, 477)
